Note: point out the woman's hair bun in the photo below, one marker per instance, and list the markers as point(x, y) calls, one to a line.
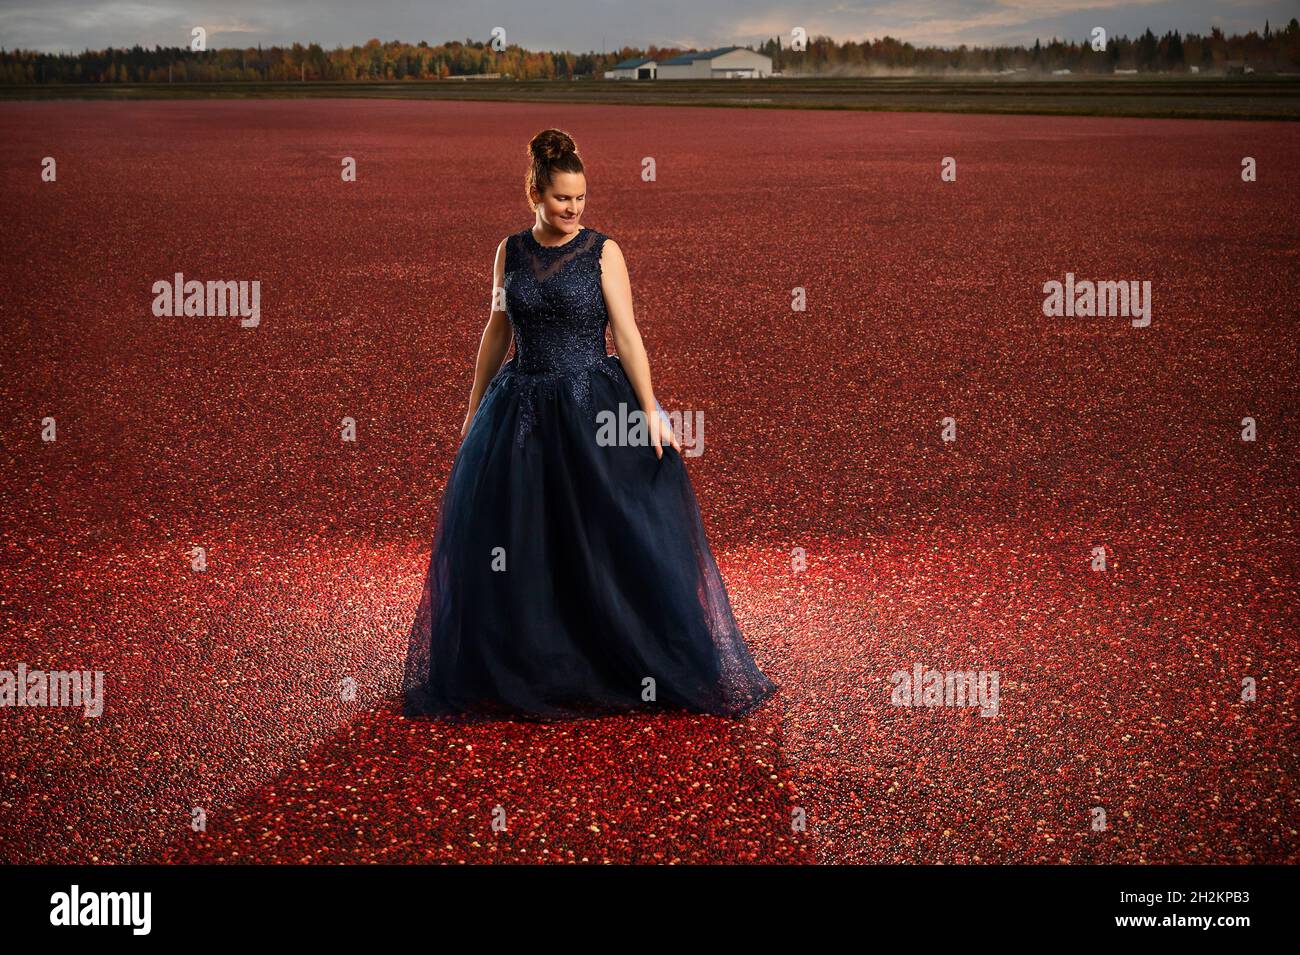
point(551, 144)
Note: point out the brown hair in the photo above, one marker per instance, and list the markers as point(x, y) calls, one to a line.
point(550, 151)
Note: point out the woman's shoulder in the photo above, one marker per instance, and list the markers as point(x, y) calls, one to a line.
point(603, 241)
point(514, 242)
point(599, 240)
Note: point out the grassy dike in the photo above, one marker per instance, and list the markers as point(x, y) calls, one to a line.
point(1181, 96)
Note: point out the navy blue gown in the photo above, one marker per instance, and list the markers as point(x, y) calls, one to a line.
point(569, 577)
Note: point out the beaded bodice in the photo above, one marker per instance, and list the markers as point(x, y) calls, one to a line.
point(557, 312)
point(554, 301)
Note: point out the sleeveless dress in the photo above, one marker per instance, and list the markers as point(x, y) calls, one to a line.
point(570, 576)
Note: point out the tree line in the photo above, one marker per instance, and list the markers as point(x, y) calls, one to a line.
point(1272, 50)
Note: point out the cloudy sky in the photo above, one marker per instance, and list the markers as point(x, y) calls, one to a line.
point(582, 25)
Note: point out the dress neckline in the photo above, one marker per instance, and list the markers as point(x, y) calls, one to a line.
point(562, 245)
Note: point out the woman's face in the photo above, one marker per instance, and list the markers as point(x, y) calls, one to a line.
point(562, 205)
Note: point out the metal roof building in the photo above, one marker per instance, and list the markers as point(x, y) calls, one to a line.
point(728, 62)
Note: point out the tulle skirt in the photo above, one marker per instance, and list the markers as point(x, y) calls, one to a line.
point(570, 577)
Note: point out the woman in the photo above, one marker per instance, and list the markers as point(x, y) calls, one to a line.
point(570, 573)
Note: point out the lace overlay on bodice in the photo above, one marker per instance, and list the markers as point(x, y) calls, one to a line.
point(557, 313)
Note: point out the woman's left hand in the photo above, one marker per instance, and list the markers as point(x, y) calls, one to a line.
point(664, 431)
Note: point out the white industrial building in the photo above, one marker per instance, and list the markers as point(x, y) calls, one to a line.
point(729, 62)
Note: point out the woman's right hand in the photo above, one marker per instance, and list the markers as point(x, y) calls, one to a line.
point(464, 428)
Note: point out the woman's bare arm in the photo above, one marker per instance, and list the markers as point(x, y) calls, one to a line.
point(495, 342)
point(627, 341)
